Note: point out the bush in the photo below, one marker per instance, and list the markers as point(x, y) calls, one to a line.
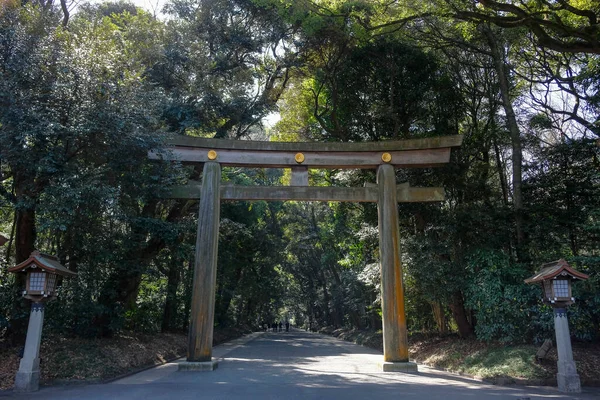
point(502, 303)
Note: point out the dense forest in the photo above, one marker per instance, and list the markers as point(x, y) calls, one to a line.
point(87, 91)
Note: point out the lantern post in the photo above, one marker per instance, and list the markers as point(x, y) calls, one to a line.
point(556, 278)
point(43, 272)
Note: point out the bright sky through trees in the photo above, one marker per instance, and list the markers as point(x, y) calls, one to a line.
point(154, 6)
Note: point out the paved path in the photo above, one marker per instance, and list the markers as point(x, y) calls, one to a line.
point(295, 365)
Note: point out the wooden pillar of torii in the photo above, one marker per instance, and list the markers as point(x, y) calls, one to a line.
point(385, 157)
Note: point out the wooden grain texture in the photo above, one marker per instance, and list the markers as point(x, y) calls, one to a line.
point(395, 336)
point(205, 267)
point(428, 157)
point(299, 176)
point(382, 146)
point(369, 194)
point(298, 193)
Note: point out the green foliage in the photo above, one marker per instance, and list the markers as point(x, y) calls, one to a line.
point(76, 312)
point(146, 316)
point(77, 123)
point(224, 66)
point(6, 298)
point(81, 106)
point(384, 89)
point(584, 315)
point(498, 297)
point(500, 362)
point(91, 11)
point(563, 191)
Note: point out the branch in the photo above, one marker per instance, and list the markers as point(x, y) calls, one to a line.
point(546, 25)
point(582, 13)
point(65, 10)
point(401, 22)
point(571, 115)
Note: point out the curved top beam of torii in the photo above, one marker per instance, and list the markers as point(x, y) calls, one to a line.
point(424, 152)
point(301, 157)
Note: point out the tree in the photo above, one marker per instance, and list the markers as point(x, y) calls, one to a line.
point(564, 26)
point(224, 67)
point(563, 52)
point(76, 101)
point(87, 101)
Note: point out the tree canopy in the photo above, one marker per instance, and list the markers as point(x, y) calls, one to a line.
point(86, 93)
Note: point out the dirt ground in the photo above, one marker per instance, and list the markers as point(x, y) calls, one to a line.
point(451, 353)
point(72, 360)
point(586, 356)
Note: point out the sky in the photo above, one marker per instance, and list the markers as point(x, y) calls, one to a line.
point(154, 6)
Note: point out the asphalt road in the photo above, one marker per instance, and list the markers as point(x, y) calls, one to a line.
point(295, 365)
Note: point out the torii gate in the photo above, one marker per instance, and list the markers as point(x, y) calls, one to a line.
point(300, 157)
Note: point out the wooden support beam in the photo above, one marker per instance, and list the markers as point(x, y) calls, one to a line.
point(298, 193)
point(318, 159)
point(395, 336)
point(405, 194)
point(299, 176)
point(421, 194)
point(403, 153)
point(202, 314)
point(387, 145)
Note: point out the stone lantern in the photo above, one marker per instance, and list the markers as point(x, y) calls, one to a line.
point(556, 278)
point(43, 272)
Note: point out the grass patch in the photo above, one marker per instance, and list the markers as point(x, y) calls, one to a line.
point(517, 362)
point(491, 361)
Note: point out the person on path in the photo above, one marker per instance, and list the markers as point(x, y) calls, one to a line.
point(287, 326)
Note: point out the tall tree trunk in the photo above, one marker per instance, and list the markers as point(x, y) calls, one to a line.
point(501, 67)
point(326, 301)
point(169, 320)
point(25, 234)
point(440, 316)
point(465, 329)
point(355, 319)
point(501, 175)
point(25, 216)
point(12, 237)
point(375, 318)
point(338, 311)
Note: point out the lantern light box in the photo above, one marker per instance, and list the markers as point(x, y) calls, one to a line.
point(556, 278)
point(42, 272)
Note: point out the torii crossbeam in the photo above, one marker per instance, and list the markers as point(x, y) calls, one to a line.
point(384, 156)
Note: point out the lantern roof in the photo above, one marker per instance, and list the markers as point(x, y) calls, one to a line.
point(556, 268)
point(43, 261)
point(3, 239)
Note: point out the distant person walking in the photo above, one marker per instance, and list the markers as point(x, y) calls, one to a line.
point(287, 326)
